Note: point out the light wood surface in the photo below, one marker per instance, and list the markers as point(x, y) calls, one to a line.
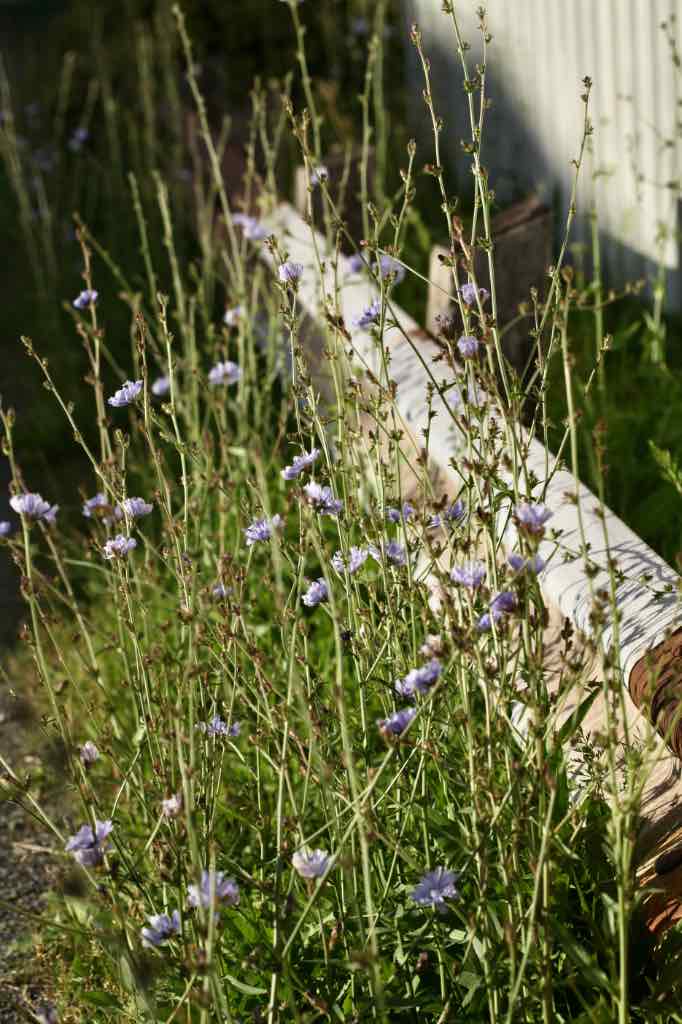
point(648, 608)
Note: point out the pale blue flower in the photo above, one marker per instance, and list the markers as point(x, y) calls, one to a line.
point(396, 553)
point(310, 863)
point(89, 753)
point(468, 293)
point(119, 546)
point(468, 346)
point(319, 175)
point(91, 505)
point(161, 386)
point(452, 514)
point(160, 929)
point(220, 591)
point(213, 888)
point(534, 565)
point(261, 529)
point(233, 316)
point(532, 517)
point(88, 297)
point(99, 507)
point(136, 507)
point(33, 506)
point(435, 888)
point(172, 805)
point(224, 373)
point(89, 845)
point(502, 604)
point(369, 317)
point(355, 263)
point(396, 515)
point(290, 272)
point(217, 727)
point(447, 325)
point(389, 265)
point(251, 227)
point(469, 574)
point(316, 593)
point(322, 499)
point(396, 723)
point(475, 397)
point(419, 679)
point(300, 463)
point(78, 138)
point(5, 528)
point(393, 551)
point(356, 558)
point(126, 394)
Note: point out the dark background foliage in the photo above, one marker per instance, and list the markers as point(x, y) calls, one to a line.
point(234, 43)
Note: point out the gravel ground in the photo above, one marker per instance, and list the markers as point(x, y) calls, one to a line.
point(27, 863)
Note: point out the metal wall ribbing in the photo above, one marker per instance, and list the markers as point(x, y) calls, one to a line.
point(541, 51)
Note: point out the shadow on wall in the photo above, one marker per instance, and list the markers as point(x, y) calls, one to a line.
point(521, 160)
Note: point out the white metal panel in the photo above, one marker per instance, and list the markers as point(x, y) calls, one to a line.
point(541, 51)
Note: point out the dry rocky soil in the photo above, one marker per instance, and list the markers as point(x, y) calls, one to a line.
point(28, 857)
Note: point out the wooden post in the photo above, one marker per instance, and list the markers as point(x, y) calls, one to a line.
point(648, 611)
point(348, 203)
point(522, 238)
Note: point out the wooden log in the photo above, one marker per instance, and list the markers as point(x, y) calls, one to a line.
point(522, 253)
point(343, 174)
point(578, 549)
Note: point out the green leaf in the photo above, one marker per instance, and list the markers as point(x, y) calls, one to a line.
point(575, 720)
point(139, 734)
point(99, 997)
point(668, 466)
point(247, 990)
point(472, 983)
point(583, 960)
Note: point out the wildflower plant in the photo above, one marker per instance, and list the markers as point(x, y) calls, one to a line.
point(306, 794)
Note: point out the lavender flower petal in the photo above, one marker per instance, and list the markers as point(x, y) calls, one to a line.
point(316, 593)
point(300, 462)
point(86, 298)
point(396, 723)
point(310, 863)
point(435, 888)
point(126, 394)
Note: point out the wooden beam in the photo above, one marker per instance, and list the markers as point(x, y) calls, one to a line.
point(582, 540)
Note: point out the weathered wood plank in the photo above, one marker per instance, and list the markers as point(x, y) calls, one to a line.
point(646, 595)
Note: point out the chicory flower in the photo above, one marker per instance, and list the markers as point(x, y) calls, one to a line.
point(435, 888)
point(88, 297)
point(90, 844)
point(316, 593)
point(310, 863)
point(213, 888)
point(126, 394)
point(160, 929)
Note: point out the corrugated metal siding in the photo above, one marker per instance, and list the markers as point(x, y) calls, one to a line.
point(541, 51)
